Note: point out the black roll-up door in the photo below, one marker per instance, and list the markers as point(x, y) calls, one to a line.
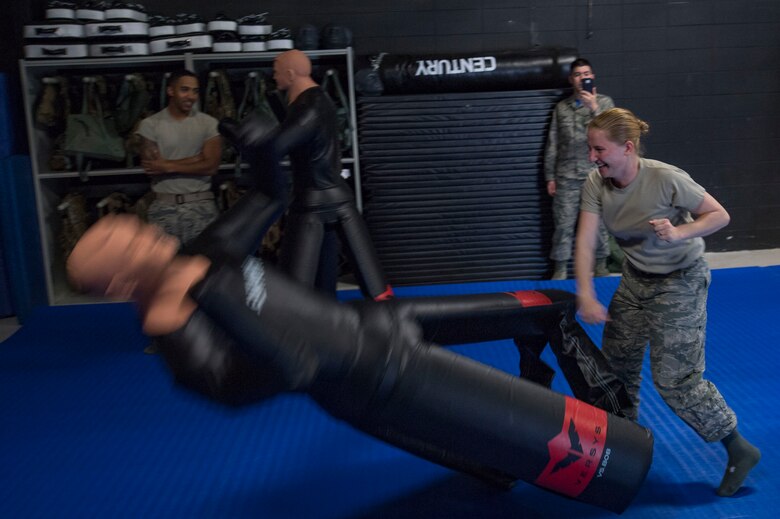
point(453, 184)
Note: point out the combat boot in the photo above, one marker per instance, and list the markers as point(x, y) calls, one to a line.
point(560, 272)
point(601, 269)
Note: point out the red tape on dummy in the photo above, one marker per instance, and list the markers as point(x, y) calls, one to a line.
point(575, 452)
point(529, 298)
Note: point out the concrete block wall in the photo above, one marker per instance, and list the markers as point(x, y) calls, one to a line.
point(704, 73)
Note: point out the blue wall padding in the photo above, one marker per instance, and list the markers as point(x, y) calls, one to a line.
point(6, 134)
point(6, 309)
point(6, 120)
point(20, 236)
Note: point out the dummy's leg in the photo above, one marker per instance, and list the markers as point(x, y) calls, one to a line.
point(362, 254)
point(301, 245)
point(530, 318)
point(239, 231)
point(367, 366)
point(328, 261)
point(253, 137)
point(532, 367)
point(588, 373)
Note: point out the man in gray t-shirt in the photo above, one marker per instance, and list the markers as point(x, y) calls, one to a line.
point(181, 151)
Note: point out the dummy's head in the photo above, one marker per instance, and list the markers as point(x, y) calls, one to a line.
point(289, 67)
point(119, 256)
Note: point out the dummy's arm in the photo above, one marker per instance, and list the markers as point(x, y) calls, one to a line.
point(171, 306)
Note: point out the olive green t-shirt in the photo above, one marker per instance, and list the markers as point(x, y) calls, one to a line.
point(659, 191)
point(179, 139)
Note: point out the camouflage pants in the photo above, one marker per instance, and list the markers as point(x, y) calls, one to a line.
point(185, 221)
point(566, 210)
point(670, 312)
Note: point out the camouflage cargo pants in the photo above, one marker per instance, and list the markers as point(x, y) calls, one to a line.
point(670, 313)
point(566, 210)
point(185, 221)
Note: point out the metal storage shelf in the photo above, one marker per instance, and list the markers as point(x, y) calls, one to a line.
point(50, 185)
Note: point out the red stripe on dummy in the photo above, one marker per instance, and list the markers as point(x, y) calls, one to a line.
point(575, 453)
point(387, 294)
point(529, 298)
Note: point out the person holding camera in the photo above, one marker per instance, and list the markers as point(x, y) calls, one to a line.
point(566, 164)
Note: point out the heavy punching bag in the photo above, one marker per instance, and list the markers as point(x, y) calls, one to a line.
point(530, 69)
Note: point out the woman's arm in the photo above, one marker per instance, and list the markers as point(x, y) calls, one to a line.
point(590, 310)
point(710, 217)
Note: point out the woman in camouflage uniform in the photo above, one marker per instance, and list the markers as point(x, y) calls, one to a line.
point(662, 298)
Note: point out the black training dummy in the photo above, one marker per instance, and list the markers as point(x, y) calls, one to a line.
point(257, 332)
point(322, 206)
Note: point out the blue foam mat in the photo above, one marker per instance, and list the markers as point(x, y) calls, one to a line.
point(94, 428)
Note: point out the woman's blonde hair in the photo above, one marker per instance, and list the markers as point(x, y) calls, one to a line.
point(621, 125)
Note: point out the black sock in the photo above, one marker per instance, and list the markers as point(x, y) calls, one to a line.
point(743, 456)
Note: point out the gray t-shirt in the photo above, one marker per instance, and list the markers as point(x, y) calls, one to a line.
point(178, 139)
point(659, 191)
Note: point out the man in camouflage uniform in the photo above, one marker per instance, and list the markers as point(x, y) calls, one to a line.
point(181, 151)
point(566, 166)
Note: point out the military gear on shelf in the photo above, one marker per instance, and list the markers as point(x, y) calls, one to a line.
point(92, 10)
point(254, 25)
point(132, 104)
point(114, 203)
point(336, 36)
point(224, 32)
point(53, 105)
point(308, 37)
point(280, 39)
point(254, 98)
point(164, 91)
point(161, 26)
point(181, 43)
point(141, 206)
point(55, 39)
point(254, 101)
point(58, 160)
point(106, 31)
point(129, 11)
point(336, 94)
point(189, 23)
point(74, 221)
point(219, 97)
point(91, 134)
point(118, 49)
point(219, 103)
point(229, 194)
point(60, 10)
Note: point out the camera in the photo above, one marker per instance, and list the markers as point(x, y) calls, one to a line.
point(587, 84)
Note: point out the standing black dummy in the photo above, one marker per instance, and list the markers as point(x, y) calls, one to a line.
point(322, 207)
